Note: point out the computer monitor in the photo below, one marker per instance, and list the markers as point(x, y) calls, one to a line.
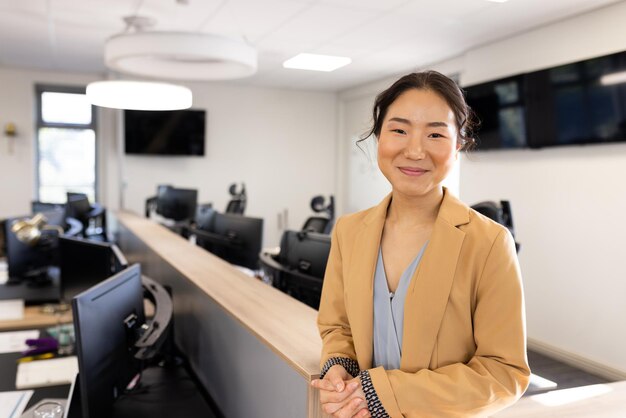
point(106, 322)
point(177, 204)
point(235, 238)
point(84, 263)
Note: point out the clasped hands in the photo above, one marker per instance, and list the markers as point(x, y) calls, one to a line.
point(341, 395)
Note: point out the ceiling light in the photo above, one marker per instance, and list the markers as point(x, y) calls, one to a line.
point(316, 62)
point(180, 55)
point(498, 1)
point(614, 78)
point(139, 95)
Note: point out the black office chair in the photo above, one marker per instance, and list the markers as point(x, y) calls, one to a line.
point(152, 202)
point(91, 216)
point(321, 224)
point(499, 212)
point(237, 203)
point(298, 269)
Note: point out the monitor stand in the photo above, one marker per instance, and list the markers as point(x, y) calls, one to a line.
point(38, 278)
point(34, 290)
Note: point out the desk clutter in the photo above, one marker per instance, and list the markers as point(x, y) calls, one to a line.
point(110, 341)
point(13, 403)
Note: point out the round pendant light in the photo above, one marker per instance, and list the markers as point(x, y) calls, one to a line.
point(180, 55)
point(139, 95)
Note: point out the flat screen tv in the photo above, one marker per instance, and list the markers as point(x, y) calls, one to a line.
point(583, 102)
point(178, 132)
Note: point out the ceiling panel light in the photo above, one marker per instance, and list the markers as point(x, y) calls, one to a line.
point(139, 95)
point(614, 78)
point(316, 62)
point(180, 55)
point(498, 1)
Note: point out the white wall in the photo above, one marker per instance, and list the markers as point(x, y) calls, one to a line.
point(281, 143)
point(568, 202)
point(17, 155)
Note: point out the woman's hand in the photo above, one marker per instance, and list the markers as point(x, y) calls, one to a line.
point(340, 395)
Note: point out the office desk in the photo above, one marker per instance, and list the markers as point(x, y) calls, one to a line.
point(34, 318)
point(34, 294)
point(254, 348)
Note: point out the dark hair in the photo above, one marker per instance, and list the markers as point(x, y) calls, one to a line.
point(438, 83)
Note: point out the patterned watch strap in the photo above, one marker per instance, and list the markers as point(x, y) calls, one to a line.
point(350, 365)
point(375, 407)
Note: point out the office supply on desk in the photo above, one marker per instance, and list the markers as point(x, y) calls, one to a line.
point(11, 309)
point(15, 341)
point(13, 403)
point(36, 357)
point(40, 346)
point(56, 371)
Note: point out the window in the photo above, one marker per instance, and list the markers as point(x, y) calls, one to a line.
point(66, 144)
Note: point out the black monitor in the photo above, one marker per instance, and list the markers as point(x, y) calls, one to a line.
point(84, 263)
point(106, 318)
point(177, 204)
point(235, 238)
point(302, 264)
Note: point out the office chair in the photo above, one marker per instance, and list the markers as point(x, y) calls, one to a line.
point(298, 268)
point(78, 207)
point(152, 202)
point(501, 213)
point(321, 224)
point(237, 203)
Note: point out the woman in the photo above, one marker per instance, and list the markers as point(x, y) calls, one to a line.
point(422, 311)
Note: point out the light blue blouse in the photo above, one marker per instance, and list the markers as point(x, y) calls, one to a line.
point(389, 313)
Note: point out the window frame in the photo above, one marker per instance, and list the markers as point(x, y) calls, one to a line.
point(40, 123)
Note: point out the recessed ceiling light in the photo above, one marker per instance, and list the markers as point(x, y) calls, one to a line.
point(614, 78)
point(316, 62)
point(498, 1)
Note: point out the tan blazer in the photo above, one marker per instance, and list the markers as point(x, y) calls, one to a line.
point(464, 337)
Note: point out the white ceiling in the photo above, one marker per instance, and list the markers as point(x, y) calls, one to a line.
point(383, 37)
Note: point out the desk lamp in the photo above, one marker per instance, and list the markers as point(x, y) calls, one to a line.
point(29, 231)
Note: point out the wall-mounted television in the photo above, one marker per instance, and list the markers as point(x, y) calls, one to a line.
point(579, 103)
point(178, 132)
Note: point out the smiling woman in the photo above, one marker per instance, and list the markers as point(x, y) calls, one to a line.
point(422, 310)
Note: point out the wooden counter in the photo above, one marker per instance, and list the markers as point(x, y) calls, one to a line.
point(35, 318)
point(254, 348)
